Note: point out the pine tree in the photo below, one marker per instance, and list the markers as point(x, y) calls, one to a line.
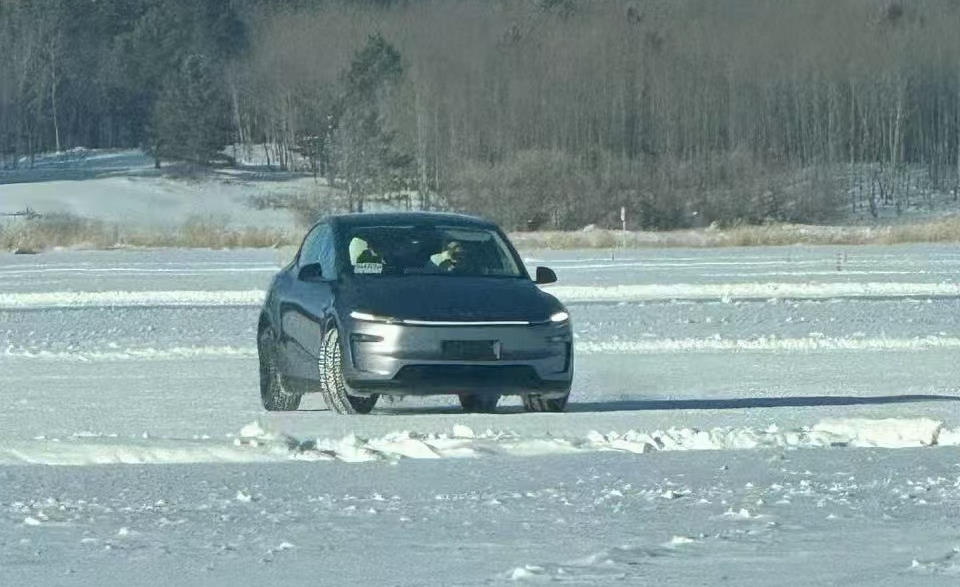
point(367, 157)
point(191, 119)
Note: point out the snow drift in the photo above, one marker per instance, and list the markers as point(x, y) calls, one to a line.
point(255, 444)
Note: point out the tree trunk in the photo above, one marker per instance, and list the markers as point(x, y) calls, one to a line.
point(237, 121)
point(53, 92)
point(421, 153)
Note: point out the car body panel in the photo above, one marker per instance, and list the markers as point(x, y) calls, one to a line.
point(304, 311)
point(440, 298)
point(444, 334)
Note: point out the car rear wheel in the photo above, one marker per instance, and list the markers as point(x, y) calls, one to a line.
point(333, 387)
point(471, 402)
point(274, 394)
point(537, 403)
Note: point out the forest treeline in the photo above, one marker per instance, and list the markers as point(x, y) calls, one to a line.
point(551, 113)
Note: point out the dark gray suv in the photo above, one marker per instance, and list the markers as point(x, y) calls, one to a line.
point(412, 304)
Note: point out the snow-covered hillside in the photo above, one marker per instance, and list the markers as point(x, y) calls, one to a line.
point(130, 202)
point(123, 187)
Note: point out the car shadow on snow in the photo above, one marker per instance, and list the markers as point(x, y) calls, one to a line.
point(753, 402)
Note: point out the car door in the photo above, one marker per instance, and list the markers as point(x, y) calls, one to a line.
point(307, 304)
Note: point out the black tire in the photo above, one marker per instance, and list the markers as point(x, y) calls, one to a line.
point(484, 403)
point(333, 387)
point(537, 403)
point(274, 393)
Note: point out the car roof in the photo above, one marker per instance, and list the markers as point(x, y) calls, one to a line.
point(406, 218)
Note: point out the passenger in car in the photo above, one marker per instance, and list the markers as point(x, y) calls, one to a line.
point(369, 255)
point(451, 256)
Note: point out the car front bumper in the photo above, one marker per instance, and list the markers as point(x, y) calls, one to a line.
point(405, 359)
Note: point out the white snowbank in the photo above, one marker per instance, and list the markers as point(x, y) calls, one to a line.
point(638, 347)
point(947, 564)
point(256, 444)
point(73, 453)
point(114, 299)
point(136, 269)
point(949, 437)
point(769, 343)
point(570, 294)
point(887, 433)
point(138, 354)
point(756, 290)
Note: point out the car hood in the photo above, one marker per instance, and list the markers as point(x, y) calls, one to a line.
point(445, 298)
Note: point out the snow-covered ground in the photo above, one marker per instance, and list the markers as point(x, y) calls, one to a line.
point(123, 187)
point(752, 416)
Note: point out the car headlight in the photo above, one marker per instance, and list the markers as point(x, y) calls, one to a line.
point(558, 317)
point(367, 317)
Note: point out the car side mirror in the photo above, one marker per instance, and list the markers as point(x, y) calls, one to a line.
point(310, 272)
point(545, 275)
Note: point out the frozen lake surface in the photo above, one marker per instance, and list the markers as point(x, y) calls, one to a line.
point(738, 414)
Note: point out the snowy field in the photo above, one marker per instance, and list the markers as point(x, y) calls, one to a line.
point(123, 187)
point(748, 416)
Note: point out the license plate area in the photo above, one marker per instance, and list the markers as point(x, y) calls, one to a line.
point(471, 350)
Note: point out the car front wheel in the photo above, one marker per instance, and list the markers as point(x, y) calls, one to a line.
point(274, 394)
point(333, 386)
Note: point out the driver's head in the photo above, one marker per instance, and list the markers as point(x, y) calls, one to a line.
point(454, 250)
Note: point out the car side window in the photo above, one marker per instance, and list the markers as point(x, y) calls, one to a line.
point(318, 248)
point(328, 256)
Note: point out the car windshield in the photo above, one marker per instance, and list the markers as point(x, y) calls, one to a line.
point(431, 250)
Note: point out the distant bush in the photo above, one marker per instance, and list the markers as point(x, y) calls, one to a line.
point(53, 230)
point(535, 189)
point(553, 190)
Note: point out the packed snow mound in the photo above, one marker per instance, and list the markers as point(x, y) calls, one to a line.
point(610, 565)
point(886, 433)
point(948, 564)
point(254, 443)
point(82, 453)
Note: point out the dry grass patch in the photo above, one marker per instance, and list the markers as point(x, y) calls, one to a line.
point(942, 230)
point(66, 230)
point(54, 230)
point(938, 231)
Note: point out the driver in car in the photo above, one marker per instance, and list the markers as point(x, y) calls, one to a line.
point(451, 257)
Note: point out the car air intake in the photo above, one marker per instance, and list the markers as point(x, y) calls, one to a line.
point(458, 375)
point(471, 350)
